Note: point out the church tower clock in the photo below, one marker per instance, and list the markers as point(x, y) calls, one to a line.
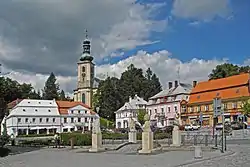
point(85, 75)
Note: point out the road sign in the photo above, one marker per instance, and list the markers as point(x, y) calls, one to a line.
point(201, 117)
point(217, 106)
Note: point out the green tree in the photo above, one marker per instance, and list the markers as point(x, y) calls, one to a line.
point(4, 138)
point(140, 116)
point(226, 70)
point(246, 107)
point(62, 95)
point(51, 88)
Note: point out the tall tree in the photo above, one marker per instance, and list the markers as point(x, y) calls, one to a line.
point(62, 95)
point(226, 70)
point(51, 88)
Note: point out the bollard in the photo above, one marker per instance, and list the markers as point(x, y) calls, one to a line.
point(72, 143)
point(197, 152)
point(216, 144)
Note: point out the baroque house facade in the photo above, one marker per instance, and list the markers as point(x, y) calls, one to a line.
point(163, 106)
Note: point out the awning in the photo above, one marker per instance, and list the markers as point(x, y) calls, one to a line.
point(68, 127)
point(37, 128)
point(52, 127)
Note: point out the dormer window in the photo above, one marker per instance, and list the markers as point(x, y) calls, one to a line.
point(24, 110)
point(35, 109)
point(39, 102)
point(50, 103)
point(198, 97)
point(238, 91)
point(49, 110)
point(28, 101)
point(218, 94)
point(72, 112)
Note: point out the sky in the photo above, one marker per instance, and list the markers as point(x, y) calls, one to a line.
point(189, 36)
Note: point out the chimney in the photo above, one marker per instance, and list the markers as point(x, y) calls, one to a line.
point(194, 83)
point(175, 84)
point(170, 85)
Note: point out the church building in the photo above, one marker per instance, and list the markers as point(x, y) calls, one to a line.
point(87, 84)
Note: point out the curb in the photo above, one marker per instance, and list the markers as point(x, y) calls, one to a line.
point(205, 159)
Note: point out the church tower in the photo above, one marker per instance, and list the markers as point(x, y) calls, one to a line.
point(85, 75)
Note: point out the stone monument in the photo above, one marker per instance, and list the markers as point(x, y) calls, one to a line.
point(132, 130)
point(147, 137)
point(96, 136)
point(176, 134)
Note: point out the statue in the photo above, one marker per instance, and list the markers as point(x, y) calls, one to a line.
point(131, 124)
point(96, 127)
point(146, 127)
point(176, 121)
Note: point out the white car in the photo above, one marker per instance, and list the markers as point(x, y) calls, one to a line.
point(195, 127)
point(188, 127)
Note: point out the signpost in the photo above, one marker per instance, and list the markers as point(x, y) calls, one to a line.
point(242, 118)
point(201, 119)
point(218, 111)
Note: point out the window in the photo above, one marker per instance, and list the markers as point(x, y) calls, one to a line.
point(49, 110)
point(199, 108)
point(191, 109)
point(238, 91)
point(83, 69)
point(28, 101)
point(41, 120)
point(35, 109)
point(218, 94)
point(86, 119)
point(155, 111)
point(150, 112)
point(65, 120)
point(79, 119)
point(19, 120)
point(26, 120)
point(162, 110)
point(91, 119)
point(79, 112)
point(39, 102)
point(169, 109)
point(34, 120)
point(72, 120)
point(184, 109)
point(225, 105)
point(54, 120)
point(86, 111)
point(72, 112)
point(198, 97)
point(23, 109)
point(175, 108)
point(50, 103)
point(234, 105)
point(47, 119)
point(206, 107)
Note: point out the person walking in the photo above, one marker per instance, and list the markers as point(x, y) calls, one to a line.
point(56, 139)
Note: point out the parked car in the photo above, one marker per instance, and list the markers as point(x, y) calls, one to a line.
point(238, 125)
point(219, 126)
point(188, 127)
point(195, 127)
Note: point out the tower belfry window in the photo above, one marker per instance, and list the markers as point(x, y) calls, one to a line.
point(83, 69)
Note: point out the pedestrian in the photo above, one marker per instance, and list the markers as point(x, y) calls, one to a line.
point(56, 139)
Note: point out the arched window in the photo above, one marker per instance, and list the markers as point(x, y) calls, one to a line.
point(83, 98)
point(119, 125)
point(83, 69)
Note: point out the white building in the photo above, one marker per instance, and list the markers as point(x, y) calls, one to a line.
point(129, 108)
point(163, 106)
point(30, 116)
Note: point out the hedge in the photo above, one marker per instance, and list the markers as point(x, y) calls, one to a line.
point(85, 138)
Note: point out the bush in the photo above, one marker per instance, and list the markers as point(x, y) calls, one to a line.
point(4, 151)
point(36, 135)
point(79, 138)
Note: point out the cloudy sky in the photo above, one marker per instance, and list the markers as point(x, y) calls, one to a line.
point(42, 36)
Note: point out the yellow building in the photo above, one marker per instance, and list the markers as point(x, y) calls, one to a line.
point(232, 91)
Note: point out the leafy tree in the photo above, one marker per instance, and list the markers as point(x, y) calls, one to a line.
point(226, 70)
point(62, 95)
point(4, 138)
point(51, 88)
point(246, 107)
point(140, 116)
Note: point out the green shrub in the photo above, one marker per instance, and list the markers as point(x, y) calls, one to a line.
point(36, 135)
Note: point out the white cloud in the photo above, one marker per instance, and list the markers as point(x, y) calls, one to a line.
point(247, 62)
point(204, 10)
point(51, 30)
point(162, 63)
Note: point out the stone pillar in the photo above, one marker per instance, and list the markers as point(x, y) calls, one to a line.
point(27, 131)
point(96, 142)
point(176, 137)
point(132, 136)
point(37, 131)
point(147, 142)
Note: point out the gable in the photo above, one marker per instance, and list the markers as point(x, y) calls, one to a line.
point(79, 107)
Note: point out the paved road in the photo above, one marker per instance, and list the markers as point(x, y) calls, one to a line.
point(240, 159)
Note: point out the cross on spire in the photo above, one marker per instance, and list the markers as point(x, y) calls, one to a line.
point(86, 34)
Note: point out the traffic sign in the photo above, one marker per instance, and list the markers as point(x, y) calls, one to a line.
point(217, 106)
point(201, 117)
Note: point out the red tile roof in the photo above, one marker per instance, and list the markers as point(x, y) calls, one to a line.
point(63, 106)
point(226, 88)
point(13, 103)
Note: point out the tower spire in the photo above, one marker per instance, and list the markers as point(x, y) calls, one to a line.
point(86, 48)
point(86, 34)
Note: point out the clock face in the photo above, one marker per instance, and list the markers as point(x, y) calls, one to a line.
point(83, 74)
